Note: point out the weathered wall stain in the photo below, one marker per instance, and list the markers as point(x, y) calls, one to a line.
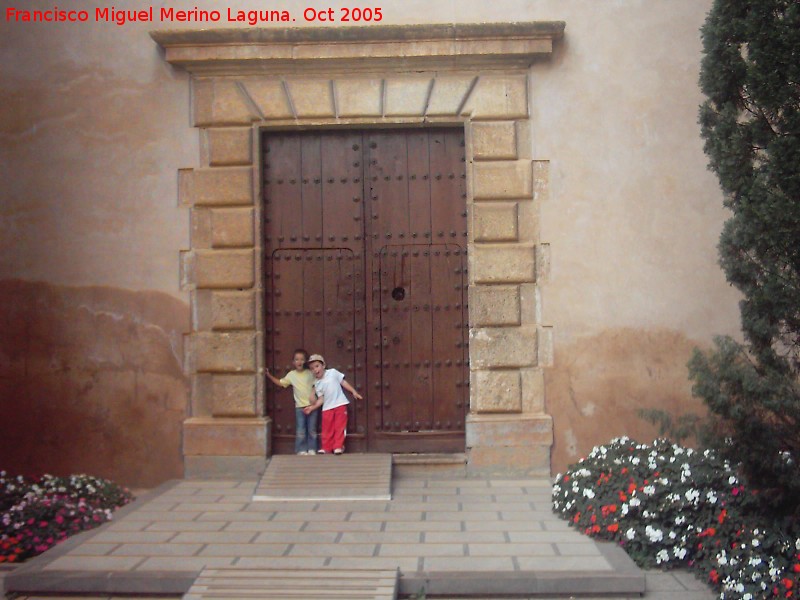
point(598, 384)
point(91, 381)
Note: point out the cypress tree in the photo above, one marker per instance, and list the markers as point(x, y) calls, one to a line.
point(750, 122)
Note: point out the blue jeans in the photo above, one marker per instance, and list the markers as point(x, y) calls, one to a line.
point(306, 431)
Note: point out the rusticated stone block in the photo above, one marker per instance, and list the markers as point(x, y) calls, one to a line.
point(505, 430)
point(406, 97)
point(225, 352)
point(495, 222)
point(229, 146)
point(224, 268)
point(541, 180)
point(495, 141)
point(220, 102)
point(359, 97)
point(502, 264)
point(232, 227)
point(448, 94)
point(502, 179)
point(532, 390)
point(502, 347)
point(311, 97)
point(494, 305)
point(496, 391)
point(498, 97)
point(221, 186)
point(545, 337)
point(270, 98)
point(234, 395)
point(203, 436)
point(200, 219)
point(233, 310)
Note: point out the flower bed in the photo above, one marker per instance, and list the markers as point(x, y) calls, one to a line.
point(36, 514)
point(673, 507)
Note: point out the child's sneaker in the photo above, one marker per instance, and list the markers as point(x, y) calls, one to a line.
point(321, 452)
point(338, 451)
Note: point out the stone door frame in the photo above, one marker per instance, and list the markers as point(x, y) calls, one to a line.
point(477, 76)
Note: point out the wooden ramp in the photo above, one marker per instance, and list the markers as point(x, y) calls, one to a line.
point(293, 584)
point(326, 477)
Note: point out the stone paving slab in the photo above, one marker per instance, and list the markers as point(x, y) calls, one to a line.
point(463, 542)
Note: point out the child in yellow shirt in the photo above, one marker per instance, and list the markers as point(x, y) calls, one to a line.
point(302, 382)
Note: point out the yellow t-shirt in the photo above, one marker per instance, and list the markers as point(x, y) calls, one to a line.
point(302, 383)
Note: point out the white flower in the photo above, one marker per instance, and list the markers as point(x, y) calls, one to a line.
point(623, 510)
point(630, 534)
point(722, 558)
point(655, 535)
point(711, 497)
point(732, 480)
point(680, 553)
point(755, 561)
point(692, 495)
point(680, 520)
point(649, 490)
point(589, 493)
point(662, 556)
point(635, 502)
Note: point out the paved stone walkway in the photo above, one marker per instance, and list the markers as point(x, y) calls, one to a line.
point(473, 537)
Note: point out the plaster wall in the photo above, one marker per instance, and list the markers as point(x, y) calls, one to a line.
point(94, 126)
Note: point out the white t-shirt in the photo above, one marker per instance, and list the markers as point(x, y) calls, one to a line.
point(329, 387)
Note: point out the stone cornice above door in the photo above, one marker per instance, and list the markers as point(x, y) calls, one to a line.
point(372, 48)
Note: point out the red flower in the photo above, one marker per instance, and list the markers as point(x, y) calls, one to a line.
point(623, 497)
point(613, 528)
point(796, 568)
point(787, 583)
point(714, 576)
point(708, 532)
point(722, 516)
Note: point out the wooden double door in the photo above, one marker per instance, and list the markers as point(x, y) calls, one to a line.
point(365, 238)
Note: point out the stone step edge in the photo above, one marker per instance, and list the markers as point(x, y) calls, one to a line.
point(433, 459)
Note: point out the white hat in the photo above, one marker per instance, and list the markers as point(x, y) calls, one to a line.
point(316, 358)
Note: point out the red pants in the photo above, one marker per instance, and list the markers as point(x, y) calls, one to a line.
point(334, 422)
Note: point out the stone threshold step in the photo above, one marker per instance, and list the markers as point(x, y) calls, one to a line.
point(433, 459)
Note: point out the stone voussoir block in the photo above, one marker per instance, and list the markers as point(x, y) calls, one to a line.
point(496, 391)
point(232, 227)
point(229, 146)
point(233, 310)
point(224, 352)
point(503, 263)
point(406, 96)
point(494, 140)
point(270, 97)
point(506, 179)
point(498, 97)
point(495, 221)
point(220, 102)
point(494, 305)
point(222, 186)
point(233, 395)
point(312, 98)
point(224, 268)
point(203, 436)
point(358, 97)
point(502, 347)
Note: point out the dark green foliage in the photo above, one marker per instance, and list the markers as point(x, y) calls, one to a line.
point(751, 126)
